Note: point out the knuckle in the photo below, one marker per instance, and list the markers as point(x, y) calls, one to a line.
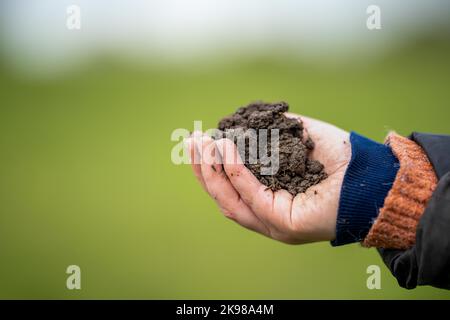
point(228, 214)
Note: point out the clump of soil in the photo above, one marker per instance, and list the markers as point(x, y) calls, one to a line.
point(296, 171)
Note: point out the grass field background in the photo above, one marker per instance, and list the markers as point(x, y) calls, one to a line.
point(86, 176)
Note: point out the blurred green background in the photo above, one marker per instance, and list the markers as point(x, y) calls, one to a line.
point(86, 176)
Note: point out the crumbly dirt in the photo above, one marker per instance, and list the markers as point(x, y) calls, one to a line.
point(297, 172)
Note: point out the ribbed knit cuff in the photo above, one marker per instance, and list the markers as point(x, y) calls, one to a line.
point(367, 181)
point(395, 227)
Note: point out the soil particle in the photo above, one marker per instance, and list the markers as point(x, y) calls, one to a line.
point(297, 172)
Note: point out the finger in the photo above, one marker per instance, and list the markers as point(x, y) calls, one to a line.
point(221, 189)
point(317, 128)
point(195, 161)
point(306, 120)
point(256, 195)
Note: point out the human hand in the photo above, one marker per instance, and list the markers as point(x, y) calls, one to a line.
point(307, 217)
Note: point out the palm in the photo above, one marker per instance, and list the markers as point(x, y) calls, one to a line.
point(307, 217)
point(314, 212)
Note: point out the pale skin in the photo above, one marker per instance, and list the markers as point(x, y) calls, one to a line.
point(307, 217)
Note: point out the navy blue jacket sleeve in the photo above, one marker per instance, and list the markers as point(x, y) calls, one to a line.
point(367, 181)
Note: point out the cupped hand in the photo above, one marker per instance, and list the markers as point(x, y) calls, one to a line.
point(307, 217)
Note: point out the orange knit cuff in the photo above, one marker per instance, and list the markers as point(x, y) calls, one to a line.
point(395, 226)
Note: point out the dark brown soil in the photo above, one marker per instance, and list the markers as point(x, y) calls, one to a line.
point(296, 171)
